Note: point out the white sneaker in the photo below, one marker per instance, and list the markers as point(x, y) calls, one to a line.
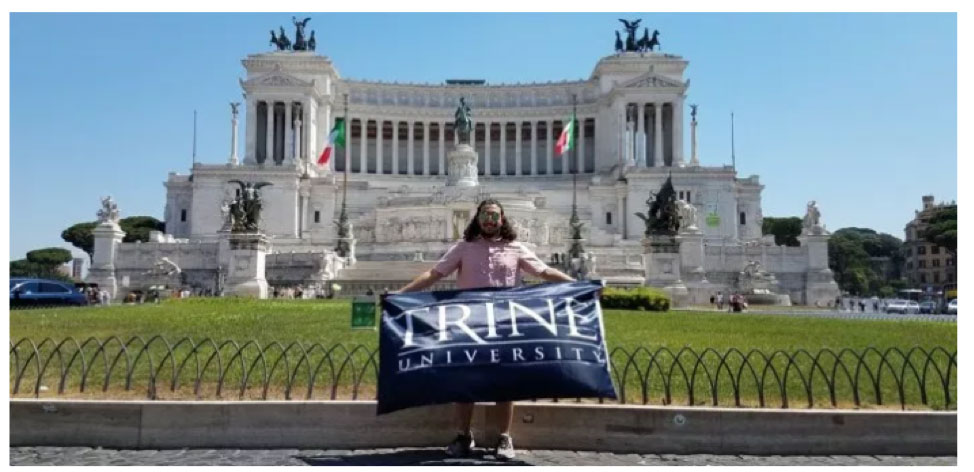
point(505, 448)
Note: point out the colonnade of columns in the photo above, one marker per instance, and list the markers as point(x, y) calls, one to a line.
point(654, 134)
point(495, 141)
point(281, 132)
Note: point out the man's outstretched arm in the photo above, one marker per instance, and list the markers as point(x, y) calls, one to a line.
point(422, 281)
point(554, 275)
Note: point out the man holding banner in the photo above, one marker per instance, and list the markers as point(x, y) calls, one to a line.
point(488, 256)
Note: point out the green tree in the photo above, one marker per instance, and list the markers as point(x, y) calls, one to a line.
point(850, 250)
point(136, 229)
point(785, 230)
point(79, 235)
point(49, 256)
point(42, 263)
point(942, 228)
point(24, 268)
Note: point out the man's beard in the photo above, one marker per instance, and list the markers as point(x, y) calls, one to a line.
point(491, 230)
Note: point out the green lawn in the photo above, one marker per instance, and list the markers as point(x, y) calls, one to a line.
point(317, 326)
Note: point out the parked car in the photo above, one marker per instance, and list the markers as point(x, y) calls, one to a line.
point(952, 307)
point(42, 292)
point(902, 307)
point(929, 307)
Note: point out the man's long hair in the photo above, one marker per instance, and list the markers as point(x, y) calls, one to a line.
point(473, 230)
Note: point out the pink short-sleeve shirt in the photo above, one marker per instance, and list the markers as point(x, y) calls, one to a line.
point(484, 263)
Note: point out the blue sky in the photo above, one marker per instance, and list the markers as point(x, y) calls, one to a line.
point(856, 111)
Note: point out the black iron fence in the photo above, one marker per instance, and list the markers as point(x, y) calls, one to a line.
point(908, 378)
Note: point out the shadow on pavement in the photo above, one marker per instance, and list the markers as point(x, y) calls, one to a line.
point(420, 457)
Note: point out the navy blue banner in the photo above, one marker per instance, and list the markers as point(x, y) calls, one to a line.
point(492, 344)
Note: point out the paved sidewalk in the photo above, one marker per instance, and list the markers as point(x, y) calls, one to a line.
point(847, 315)
point(83, 456)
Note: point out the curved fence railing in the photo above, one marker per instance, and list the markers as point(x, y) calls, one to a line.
point(160, 369)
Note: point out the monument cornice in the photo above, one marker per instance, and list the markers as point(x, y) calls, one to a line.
point(290, 61)
point(427, 87)
point(630, 62)
point(446, 113)
point(246, 170)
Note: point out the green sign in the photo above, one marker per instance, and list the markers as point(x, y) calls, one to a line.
point(363, 313)
point(713, 220)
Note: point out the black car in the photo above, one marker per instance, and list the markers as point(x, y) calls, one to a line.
point(43, 292)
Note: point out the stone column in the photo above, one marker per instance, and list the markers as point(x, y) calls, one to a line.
point(503, 143)
point(288, 133)
point(297, 138)
point(473, 140)
point(517, 147)
point(487, 148)
point(658, 135)
point(549, 127)
point(410, 170)
point(442, 151)
point(426, 148)
point(534, 148)
point(250, 150)
point(324, 120)
point(395, 147)
point(233, 139)
point(693, 144)
point(580, 161)
point(640, 134)
point(270, 133)
point(378, 145)
point(678, 133)
point(364, 145)
point(348, 143)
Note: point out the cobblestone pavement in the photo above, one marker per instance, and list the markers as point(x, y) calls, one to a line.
point(421, 457)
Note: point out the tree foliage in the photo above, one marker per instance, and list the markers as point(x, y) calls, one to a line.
point(850, 250)
point(785, 230)
point(136, 228)
point(942, 228)
point(79, 235)
point(42, 263)
point(49, 256)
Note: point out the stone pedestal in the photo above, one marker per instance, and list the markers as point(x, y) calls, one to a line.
point(246, 265)
point(692, 261)
point(462, 167)
point(662, 263)
point(107, 236)
point(820, 286)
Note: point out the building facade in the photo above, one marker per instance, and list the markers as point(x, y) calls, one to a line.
point(405, 215)
point(926, 264)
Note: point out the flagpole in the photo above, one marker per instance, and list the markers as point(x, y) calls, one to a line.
point(733, 157)
point(576, 249)
point(342, 248)
point(194, 138)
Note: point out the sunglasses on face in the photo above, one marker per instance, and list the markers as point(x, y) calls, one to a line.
point(495, 217)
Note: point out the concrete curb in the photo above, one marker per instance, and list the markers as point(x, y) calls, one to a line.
point(354, 425)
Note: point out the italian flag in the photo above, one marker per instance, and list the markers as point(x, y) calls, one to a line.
point(335, 139)
point(567, 139)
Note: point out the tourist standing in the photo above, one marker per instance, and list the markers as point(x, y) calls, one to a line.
point(720, 300)
point(488, 256)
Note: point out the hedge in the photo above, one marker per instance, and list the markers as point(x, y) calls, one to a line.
point(641, 298)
